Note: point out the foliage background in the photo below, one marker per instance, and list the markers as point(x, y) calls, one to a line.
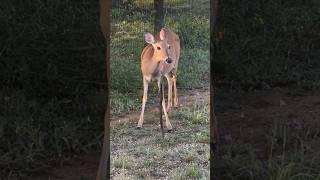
point(268, 43)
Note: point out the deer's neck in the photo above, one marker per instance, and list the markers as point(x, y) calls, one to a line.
point(149, 66)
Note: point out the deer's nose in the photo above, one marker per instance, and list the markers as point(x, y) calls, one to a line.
point(169, 60)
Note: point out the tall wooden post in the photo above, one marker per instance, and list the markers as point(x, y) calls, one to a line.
point(213, 119)
point(104, 164)
point(117, 3)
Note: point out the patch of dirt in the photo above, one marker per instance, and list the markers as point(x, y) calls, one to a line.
point(185, 99)
point(243, 118)
point(80, 168)
point(250, 118)
point(146, 155)
point(85, 168)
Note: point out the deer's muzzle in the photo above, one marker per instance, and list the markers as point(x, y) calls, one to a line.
point(169, 60)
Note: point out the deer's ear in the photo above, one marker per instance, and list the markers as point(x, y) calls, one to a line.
point(149, 38)
point(162, 34)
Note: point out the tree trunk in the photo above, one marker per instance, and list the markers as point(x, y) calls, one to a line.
point(159, 15)
point(104, 164)
point(213, 122)
point(117, 3)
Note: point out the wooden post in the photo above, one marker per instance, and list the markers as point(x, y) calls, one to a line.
point(117, 3)
point(213, 119)
point(104, 164)
point(161, 92)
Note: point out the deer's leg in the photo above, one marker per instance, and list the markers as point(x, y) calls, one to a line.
point(175, 92)
point(168, 124)
point(169, 93)
point(144, 100)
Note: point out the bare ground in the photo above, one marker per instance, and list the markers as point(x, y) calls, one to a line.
point(144, 153)
point(242, 118)
point(252, 118)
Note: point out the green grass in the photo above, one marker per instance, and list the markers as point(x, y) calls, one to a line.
point(52, 94)
point(176, 156)
point(268, 42)
point(292, 154)
point(121, 163)
point(53, 87)
point(127, 43)
point(190, 172)
point(121, 102)
point(181, 154)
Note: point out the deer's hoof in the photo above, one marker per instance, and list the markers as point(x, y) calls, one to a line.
point(138, 127)
point(169, 130)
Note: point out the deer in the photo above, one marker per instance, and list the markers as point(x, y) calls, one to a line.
point(160, 59)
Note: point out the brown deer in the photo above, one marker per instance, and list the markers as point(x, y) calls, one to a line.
point(160, 58)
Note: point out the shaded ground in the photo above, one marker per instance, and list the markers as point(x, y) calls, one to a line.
point(134, 152)
point(243, 118)
point(254, 118)
point(181, 154)
point(81, 168)
point(186, 99)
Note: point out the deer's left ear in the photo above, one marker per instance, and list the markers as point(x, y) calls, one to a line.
point(162, 34)
point(149, 38)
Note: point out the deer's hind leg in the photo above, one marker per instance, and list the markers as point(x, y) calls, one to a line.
point(168, 124)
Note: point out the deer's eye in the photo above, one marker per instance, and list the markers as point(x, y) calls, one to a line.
point(158, 48)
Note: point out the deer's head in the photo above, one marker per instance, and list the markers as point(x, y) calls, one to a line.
point(162, 51)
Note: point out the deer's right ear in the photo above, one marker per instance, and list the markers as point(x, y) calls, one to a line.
point(149, 38)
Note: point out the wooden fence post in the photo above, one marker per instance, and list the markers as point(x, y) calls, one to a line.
point(104, 164)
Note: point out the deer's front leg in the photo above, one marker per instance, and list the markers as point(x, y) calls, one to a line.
point(168, 124)
point(144, 100)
